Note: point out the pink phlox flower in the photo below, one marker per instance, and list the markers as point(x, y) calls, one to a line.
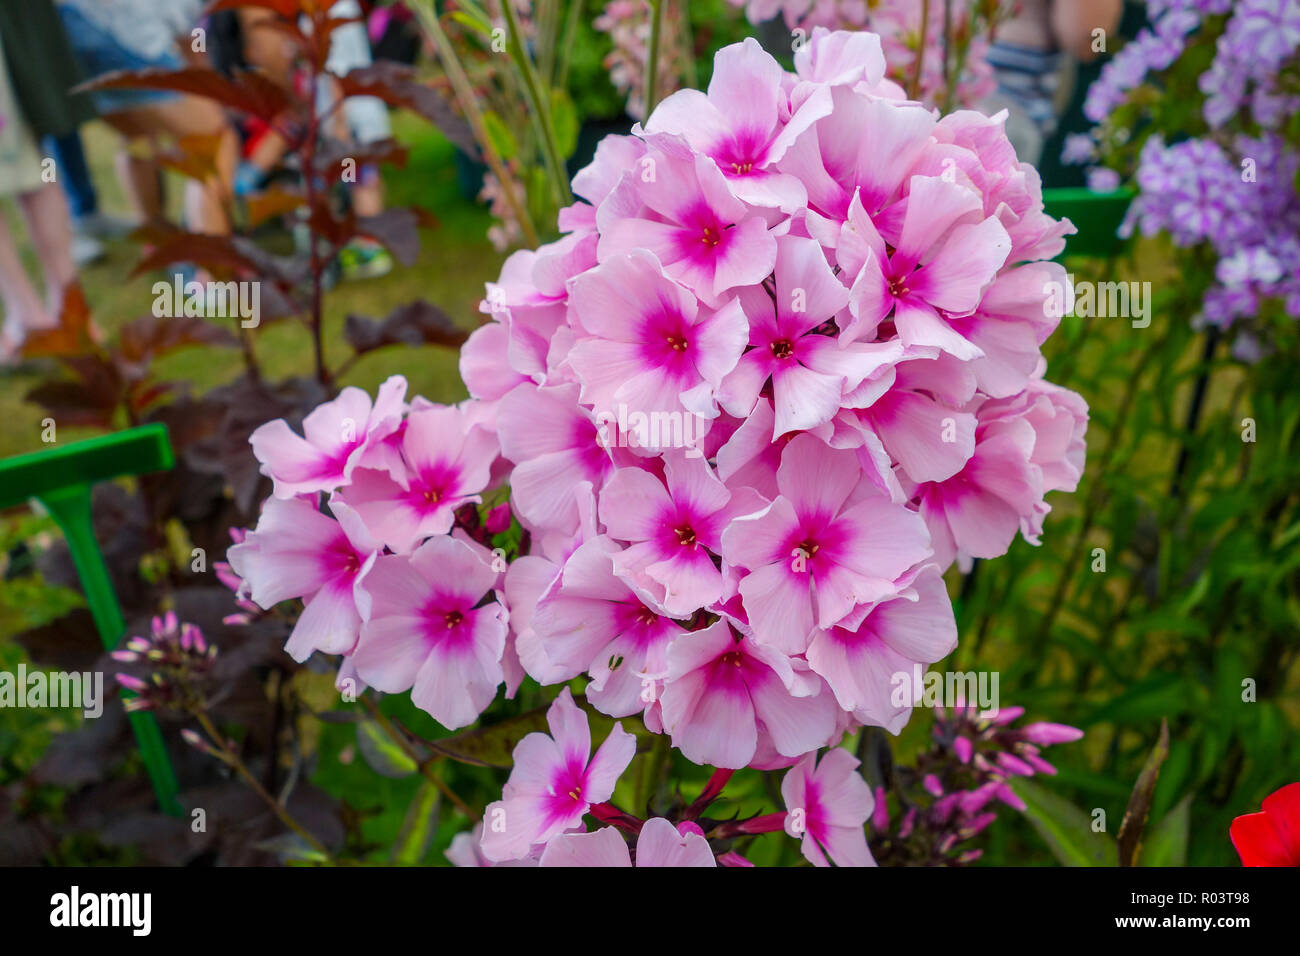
point(334, 440)
point(554, 782)
point(827, 805)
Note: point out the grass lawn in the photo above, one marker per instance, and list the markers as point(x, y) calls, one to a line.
point(455, 260)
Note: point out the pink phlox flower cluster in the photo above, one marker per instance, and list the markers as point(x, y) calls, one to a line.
point(898, 23)
point(781, 371)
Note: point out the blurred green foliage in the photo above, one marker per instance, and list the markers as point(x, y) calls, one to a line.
point(1197, 518)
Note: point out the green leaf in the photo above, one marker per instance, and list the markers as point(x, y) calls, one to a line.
point(381, 752)
point(1065, 828)
point(564, 119)
point(419, 826)
point(503, 141)
point(1166, 845)
point(1139, 804)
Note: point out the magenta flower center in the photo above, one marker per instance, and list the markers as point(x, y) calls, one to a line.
point(685, 535)
point(678, 343)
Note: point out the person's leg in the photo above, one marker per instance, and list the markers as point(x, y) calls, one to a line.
point(190, 116)
point(74, 178)
point(23, 307)
point(50, 230)
point(74, 174)
point(141, 180)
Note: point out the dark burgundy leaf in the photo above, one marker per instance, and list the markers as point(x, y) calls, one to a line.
point(69, 643)
point(248, 92)
point(396, 85)
point(416, 323)
point(396, 230)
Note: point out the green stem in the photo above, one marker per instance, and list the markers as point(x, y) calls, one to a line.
point(425, 765)
point(650, 770)
point(566, 48)
point(540, 108)
point(230, 758)
point(914, 85)
point(460, 83)
point(1093, 503)
point(652, 57)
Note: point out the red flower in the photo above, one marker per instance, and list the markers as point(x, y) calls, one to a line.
point(1271, 838)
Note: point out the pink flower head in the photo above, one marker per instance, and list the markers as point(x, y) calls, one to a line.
point(738, 124)
point(594, 621)
point(840, 58)
point(427, 632)
point(335, 438)
point(673, 532)
point(827, 804)
point(977, 512)
point(872, 652)
point(652, 347)
point(530, 300)
point(554, 782)
point(865, 148)
point(727, 694)
point(921, 421)
point(658, 844)
point(298, 552)
point(809, 372)
point(555, 444)
point(678, 205)
point(448, 461)
point(946, 256)
point(485, 363)
point(1016, 314)
point(828, 543)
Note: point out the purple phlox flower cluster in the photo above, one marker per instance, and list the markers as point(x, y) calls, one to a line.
point(950, 796)
point(1259, 40)
point(1154, 48)
point(1246, 209)
point(172, 657)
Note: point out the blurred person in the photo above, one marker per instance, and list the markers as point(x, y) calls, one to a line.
point(362, 120)
point(1028, 54)
point(109, 35)
point(90, 224)
point(251, 41)
point(393, 33)
point(36, 72)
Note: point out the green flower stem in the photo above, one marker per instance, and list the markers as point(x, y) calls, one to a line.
point(652, 57)
point(460, 83)
point(425, 764)
point(540, 107)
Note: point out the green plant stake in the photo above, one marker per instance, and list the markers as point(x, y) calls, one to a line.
point(1097, 216)
point(61, 479)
